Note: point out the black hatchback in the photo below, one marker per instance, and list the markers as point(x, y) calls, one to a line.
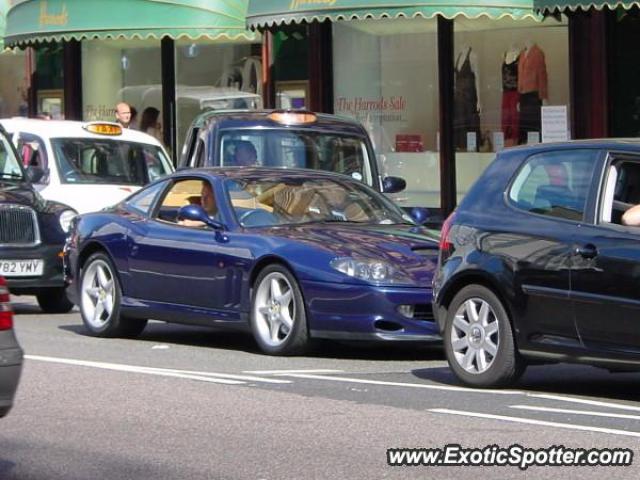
point(538, 265)
point(32, 234)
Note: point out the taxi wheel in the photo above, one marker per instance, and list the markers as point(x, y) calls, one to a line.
point(278, 315)
point(100, 300)
point(54, 300)
point(478, 340)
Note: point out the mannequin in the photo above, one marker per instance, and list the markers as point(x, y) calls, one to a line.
point(532, 86)
point(467, 99)
point(510, 96)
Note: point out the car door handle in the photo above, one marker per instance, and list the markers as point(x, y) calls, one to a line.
point(587, 251)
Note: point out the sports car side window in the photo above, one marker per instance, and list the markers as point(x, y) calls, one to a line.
point(186, 192)
point(143, 200)
point(555, 183)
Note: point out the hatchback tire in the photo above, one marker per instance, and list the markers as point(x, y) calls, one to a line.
point(478, 340)
point(278, 314)
point(54, 300)
point(100, 301)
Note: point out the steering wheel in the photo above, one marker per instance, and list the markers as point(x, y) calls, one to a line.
point(257, 218)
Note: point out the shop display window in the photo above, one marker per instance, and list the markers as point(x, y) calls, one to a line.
point(386, 76)
point(511, 87)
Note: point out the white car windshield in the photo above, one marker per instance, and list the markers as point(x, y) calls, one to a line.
point(88, 160)
point(9, 166)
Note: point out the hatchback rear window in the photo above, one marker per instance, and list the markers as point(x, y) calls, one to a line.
point(555, 183)
point(86, 161)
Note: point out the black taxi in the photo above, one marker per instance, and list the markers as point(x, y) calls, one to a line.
point(32, 234)
point(285, 138)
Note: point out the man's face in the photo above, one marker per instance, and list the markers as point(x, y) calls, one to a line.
point(207, 199)
point(245, 156)
point(123, 114)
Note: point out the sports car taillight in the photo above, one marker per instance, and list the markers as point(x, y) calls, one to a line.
point(6, 314)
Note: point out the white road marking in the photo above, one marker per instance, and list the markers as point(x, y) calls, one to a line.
point(576, 412)
point(211, 377)
point(535, 422)
point(584, 401)
point(287, 372)
point(403, 384)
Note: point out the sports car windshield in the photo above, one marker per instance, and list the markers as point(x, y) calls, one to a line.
point(291, 201)
point(9, 165)
point(89, 160)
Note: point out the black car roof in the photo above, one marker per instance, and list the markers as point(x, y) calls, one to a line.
point(260, 118)
point(601, 143)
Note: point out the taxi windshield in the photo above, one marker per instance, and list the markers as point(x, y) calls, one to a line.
point(293, 148)
point(90, 160)
point(10, 168)
point(260, 202)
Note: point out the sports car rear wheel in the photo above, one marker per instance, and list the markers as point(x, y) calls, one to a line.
point(100, 296)
point(278, 318)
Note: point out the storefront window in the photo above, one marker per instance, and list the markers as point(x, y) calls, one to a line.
point(511, 88)
point(120, 71)
point(13, 84)
point(215, 75)
point(386, 76)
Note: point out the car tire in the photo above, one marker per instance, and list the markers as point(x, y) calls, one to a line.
point(278, 313)
point(100, 301)
point(478, 340)
point(54, 300)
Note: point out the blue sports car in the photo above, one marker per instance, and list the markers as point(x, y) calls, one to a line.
point(290, 254)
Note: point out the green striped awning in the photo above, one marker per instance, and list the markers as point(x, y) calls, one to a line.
point(547, 6)
point(265, 13)
point(30, 21)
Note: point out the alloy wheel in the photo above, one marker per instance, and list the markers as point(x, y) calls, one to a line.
point(475, 336)
point(98, 294)
point(274, 309)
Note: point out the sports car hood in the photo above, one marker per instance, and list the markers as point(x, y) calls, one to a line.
point(410, 248)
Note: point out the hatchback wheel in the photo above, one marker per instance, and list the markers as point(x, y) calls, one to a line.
point(478, 339)
point(100, 297)
point(54, 300)
point(278, 318)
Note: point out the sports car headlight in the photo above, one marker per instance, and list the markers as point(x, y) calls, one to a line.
point(65, 219)
point(376, 271)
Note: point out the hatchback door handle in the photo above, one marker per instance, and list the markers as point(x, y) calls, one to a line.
point(587, 251)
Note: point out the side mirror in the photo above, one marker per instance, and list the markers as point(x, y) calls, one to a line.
point(198, 214)
point(420, 215)
point(34, 174)
point(393, 184)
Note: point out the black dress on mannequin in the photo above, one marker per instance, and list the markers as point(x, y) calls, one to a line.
point(466, 117)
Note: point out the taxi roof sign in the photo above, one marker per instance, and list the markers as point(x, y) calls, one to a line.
point(293, 117)
point(103, 128)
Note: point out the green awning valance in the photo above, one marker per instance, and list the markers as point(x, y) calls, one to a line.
point(265, 13)
point(548, 6)
point(30, 21)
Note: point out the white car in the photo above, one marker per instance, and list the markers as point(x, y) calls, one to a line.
point(86, 165)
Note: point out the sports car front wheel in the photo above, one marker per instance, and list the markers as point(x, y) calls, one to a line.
point(278, 318)
point(100, 296)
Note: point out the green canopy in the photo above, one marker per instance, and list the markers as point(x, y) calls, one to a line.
point(573, 5)
point(265, 13)
point(30, 21)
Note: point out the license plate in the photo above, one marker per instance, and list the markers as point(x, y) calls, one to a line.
point(21, 268)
